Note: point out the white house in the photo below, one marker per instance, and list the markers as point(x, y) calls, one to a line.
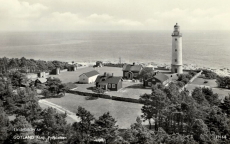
point(88, 77)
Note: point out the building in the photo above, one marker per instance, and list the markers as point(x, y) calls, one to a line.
point(99, 64)
point(88, 77)
point(131, 71)
point(158, 78)
point(72, 68)
point(176, 66)
point(40, 81)
point(42, 74)
point(109, 82)
point(55, 71)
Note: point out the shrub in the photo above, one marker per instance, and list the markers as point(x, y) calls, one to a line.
point(46, 93)
point(180, 83)
point(209, 74)
point(99, 90)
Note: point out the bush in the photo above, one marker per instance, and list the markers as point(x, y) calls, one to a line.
point(209, 74)
point(184, 78)
point(180, 84)
point(46, 93)
point(99, 90)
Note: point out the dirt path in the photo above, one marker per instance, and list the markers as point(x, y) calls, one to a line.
point(60, 109)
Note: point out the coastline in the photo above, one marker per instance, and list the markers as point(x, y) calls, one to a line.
point(220, 71)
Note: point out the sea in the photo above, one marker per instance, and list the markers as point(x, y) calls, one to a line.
point(202, 48)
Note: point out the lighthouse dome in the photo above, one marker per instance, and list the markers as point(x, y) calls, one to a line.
point(176, 25)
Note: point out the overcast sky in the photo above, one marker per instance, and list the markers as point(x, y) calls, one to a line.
point(30, 15)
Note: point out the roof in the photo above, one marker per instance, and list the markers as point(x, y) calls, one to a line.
point(108, 79)
point(42, 80)
point(129, 67)
point(91, 73)
point(161, 77)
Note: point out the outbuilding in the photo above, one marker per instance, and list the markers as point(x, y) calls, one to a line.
point(158, 78)
point(88, 77)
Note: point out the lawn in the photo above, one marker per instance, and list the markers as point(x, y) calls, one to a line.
point(199, 82)
point(125, 113)
point(73, 76)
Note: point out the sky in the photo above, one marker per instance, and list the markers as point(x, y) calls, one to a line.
point(68, 15)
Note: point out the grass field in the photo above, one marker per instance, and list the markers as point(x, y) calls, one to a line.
point(125, 113)
point(73, 76)
point(199, 82)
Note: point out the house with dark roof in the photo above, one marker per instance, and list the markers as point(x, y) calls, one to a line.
point(109, 82)
point(158, 78)
point(131, 71)
point(88, 77)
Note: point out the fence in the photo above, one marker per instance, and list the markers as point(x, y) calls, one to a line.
point(116, 98)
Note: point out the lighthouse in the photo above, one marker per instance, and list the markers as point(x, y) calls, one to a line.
point(176, 66)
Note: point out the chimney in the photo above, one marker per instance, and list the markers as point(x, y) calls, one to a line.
point(134, 63)
point(112, 75)
point(105, 74)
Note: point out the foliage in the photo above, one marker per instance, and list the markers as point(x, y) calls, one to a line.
point(146, 73)
point(223, 82)
point(106, 128)
point(225, 105)
point(209, 74)
point(55, 87)
point(99, 90)
point(52, 124)
point(31, 65)
point(83, 130)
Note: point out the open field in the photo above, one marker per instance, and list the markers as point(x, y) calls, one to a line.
point(199, 82)
point(125, 113)
point(73, 76)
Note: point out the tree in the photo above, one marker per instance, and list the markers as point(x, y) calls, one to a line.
point(52, 124)
point(154, 105)
point(55, 86)
point(106, 128)
point(198, 95)
point(138, 134)
point(4, 125)
point(16, 131)
point(212, 98)
point(217, 122)
point(225, 106)
point(200, 129)
point(83, 129)
point(17, 78)
point(146, 73)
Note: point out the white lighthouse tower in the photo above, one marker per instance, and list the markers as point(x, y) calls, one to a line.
point(176, 66)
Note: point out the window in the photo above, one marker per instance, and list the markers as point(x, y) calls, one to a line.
point(175, 49)
point(113, 86)
point(153, 79)
point(149, 83)
point(175, 60)
point(109, 85)
point(175, 39)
